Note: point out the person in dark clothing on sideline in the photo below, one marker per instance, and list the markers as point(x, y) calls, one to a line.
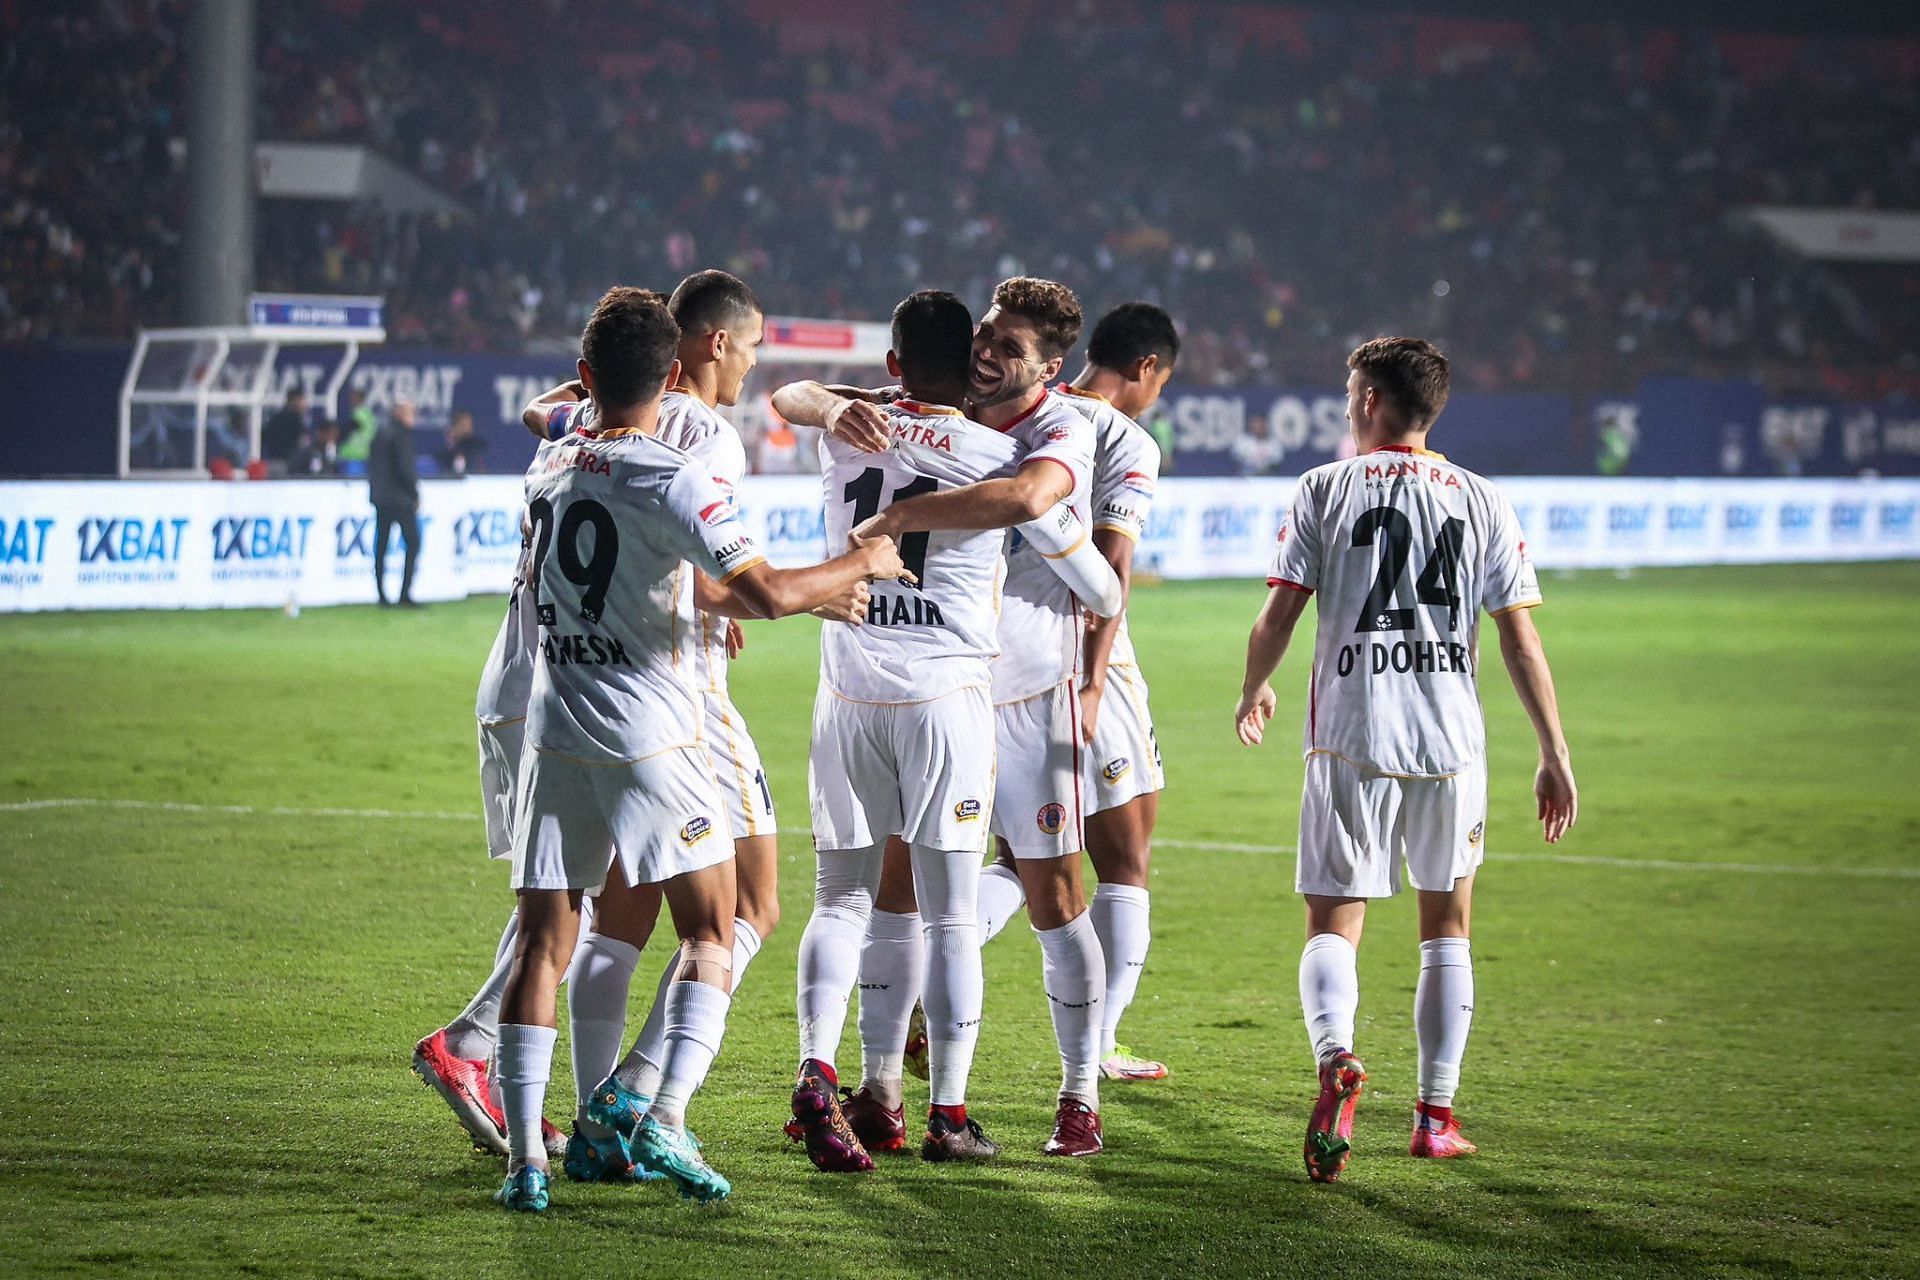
point(280, 437)
point(393, 477)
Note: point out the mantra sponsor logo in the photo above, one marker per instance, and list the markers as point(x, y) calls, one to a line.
point(1798, 521)
point(1744, 521)
point(260, 546)
point(1687, 522)
point(136, 549)
point(1897, 520)
point(1847, 521)
point(23, 549)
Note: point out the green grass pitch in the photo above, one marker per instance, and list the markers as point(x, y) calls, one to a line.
point(1694, 1052)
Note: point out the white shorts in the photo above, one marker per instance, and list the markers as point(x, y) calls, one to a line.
point(737, 768)
point(1124, 761)
point(1037, 805)
point(921, 770)
point(1357, 825)
point(663, 815)
point(499, 778)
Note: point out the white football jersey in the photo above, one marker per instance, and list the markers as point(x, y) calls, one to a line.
point(1040, 621)
point(1126, 470)
point(1405, 549)
point(617, 517)
point(507, 680)
point(687, 423)
point(918, 642)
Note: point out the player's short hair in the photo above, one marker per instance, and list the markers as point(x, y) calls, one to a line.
point(1410, 372)
point(1050, 305)
point(630, 343)
point(1133, 331)
point(933, 337)
point(710, 300)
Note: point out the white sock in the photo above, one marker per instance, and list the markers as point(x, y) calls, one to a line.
point(640, 1069)
point(893, 965)
point(473, 1034)
point(1329, 992)
point(1074, 974)
point(746, 945)
point(843, 890)
point(1120, 918)
point(946, 884)
point(597, 1014)
point(526, 1061)
point(696, 1020)
point(1000, 896)
point(1443, 1015)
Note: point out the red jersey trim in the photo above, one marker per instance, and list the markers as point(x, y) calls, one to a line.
point(1072, 479)
point(1290, 585)
point(1026, 413)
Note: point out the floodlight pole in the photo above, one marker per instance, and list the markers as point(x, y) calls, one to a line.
point(218, 266)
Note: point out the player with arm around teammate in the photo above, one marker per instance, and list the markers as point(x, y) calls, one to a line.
point(903, 736)
point(1130, 357)
point(1404, 549)
point(613, 766)
point(1020, 345)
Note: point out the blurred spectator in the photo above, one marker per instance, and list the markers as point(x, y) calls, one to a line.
point(393, 479)
point(1256, 449)
point(779, 449)
point(284, 431)
point(357, 433)
point(463, 449)
point(319, 451)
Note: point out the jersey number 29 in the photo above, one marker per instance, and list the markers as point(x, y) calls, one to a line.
point(595, 573)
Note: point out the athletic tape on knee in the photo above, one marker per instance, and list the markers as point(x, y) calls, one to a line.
point(707, 962)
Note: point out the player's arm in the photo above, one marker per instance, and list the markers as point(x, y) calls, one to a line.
point(849, 414)
point(1558, 800)
point(768, 592)
point(1000, 503)
point(713, 597)
point(1116, 549)
point(1063, 543)
point(1267, 644)
point(537, 417)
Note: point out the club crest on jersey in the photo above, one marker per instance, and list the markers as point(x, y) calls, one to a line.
point(1284, 525)
point(1116, 768)
point(966, 811)
point(696, 830)
point(1052, 818)
point(1473, 836)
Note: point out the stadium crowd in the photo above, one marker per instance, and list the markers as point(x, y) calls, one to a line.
point(1551, 201)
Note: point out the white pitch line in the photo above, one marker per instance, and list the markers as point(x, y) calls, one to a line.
point(1593, 860)
point(1211, 846)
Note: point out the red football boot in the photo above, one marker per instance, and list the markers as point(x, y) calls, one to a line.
point(1330, 1132)
point(1076, 1130)
point(1436, 1134)
point(462, 1083)
point(877, 1127)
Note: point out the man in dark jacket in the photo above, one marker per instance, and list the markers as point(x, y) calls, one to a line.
point(393, 477)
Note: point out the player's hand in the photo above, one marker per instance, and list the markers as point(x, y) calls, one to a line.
point(1255, 709)
point(1557, 796)
point(883, 557)
point(862, 425)
point(880, 526)
point(736, 638)
point(850, 607)
point(1089, 712)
